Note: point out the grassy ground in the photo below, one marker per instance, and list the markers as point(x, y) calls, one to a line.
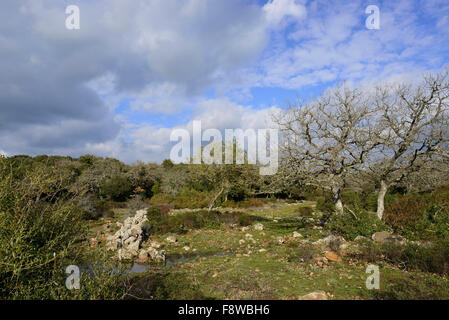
point(225, 263)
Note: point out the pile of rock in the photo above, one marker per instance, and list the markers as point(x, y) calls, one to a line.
point(128, 240)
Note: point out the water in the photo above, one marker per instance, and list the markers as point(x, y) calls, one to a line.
point(170, 260)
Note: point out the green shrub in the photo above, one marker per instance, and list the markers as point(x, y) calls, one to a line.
point(411, 287)
point(236, 194)
point(305, 211)
point(118, 188)
point(325, 204)
point(434, 259)
point(182, 222)
point(350, 227)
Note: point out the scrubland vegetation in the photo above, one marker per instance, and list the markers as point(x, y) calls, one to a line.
point(355, 163)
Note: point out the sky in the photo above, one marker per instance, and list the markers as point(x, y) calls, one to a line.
point(138, 69)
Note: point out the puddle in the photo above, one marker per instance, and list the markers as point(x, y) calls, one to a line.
point(170, 260)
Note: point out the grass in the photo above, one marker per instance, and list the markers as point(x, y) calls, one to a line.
point(280, 271)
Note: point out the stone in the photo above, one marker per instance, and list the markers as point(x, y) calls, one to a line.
point(171, 239)
point(297, 234)
point(241, 241)
point(143, 256)
point(387, 237)
point(361, 239)
point(317, 295)
point(262, 250)
point(280, 240)
point(332, 256)
point(244, 229)
point(186, 248)
point(93, 242)
point(155, 244)
point(258, 227)
point(331, 240)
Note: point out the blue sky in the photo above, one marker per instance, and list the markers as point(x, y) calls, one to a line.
point(138, 69)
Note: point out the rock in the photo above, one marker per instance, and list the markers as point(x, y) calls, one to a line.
point(387, 237)
point(258, 227)
point(248, 236)
point(143, 256)
point(297, 234)
point(262, 250)
point(317, 295)
point(361, 239)
point(332, 241)
point(244, 229)
point(280, 240)
point(241, 241)
point(155, 244)
point(93, 242)
point(171, 239)
point(130, 240)
point(321, 261)
point(186, 248)
point(332, 256)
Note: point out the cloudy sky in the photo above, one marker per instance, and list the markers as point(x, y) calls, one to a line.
point(137, 69)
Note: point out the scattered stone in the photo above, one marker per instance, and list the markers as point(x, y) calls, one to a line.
point(262, 250)
point(241, 241)
point(331, 240)
point(258, 227)
point(186, 248)
point(155, 244)
point(317, 295)
point(93, 242)
point(280, 240)
point(171, 239)
point(297, 234)
point(332, 256)
point(244, 229)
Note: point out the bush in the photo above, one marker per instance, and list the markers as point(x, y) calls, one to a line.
point(118, 188)
point(424, 216)
point(434, 259)
point(305, 211)
point(158, 223)
point(350, 227)
point(39, 237)
point(236, 194)
point(412, 287)
point(325, 204)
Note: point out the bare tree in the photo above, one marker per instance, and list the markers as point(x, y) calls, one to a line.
point(414, 129)
point(328, 139)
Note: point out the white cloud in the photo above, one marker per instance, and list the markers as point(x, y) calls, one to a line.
point(277, 10)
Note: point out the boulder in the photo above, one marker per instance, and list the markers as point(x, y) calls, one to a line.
point(171, 239)
point(332, 256)
point(387, 237)
point(296, 234)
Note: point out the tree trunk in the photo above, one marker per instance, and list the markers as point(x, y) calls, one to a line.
point(336, 194)
point(380, 199)
point(212, 204)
